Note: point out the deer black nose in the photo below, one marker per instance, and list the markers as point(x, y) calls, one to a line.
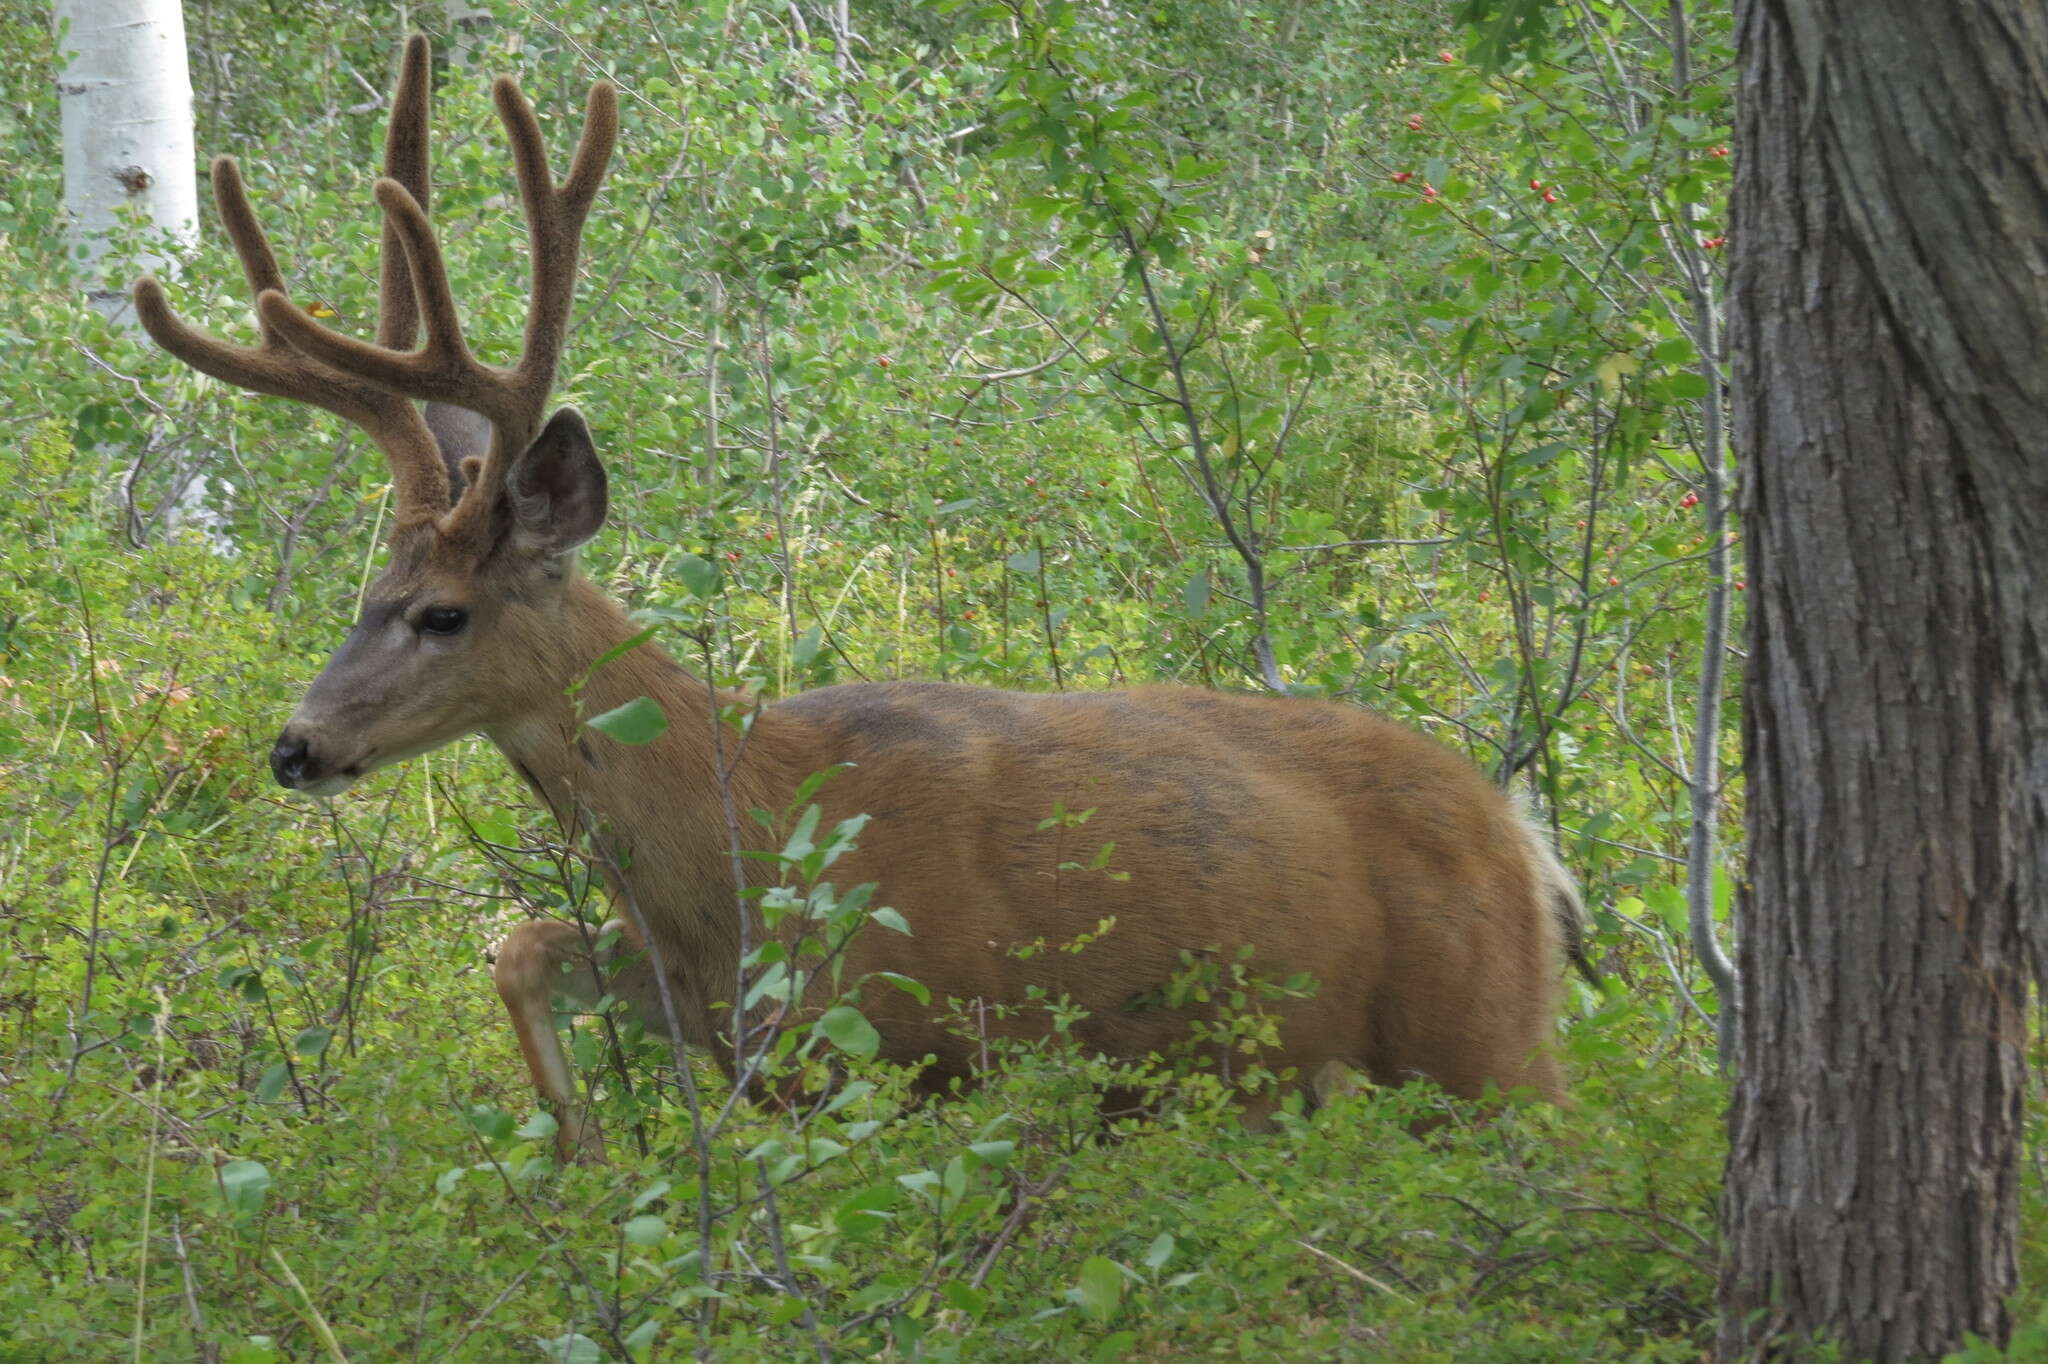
point(291, 762)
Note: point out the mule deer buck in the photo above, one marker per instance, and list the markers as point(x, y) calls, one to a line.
point(1325, 838)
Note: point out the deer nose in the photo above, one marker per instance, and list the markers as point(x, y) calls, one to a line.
point(291, 761)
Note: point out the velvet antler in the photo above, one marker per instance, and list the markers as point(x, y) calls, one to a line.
point(514, 398)
point(375, 384)
point(275, 366)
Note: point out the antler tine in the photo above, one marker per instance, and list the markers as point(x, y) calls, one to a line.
point(276, 367)
point(554, 224)
point(554, 217)
point(251, 243)
point(405, 160)
point(443, 368)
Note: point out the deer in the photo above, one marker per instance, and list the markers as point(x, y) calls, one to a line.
point(1313, 834)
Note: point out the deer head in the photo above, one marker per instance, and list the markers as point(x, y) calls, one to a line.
point(490, 499)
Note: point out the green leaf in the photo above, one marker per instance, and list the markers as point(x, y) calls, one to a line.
point(996, 1153)
point(1506, 29)
point(496, 826)
point(1541, 455)
point(914, 988)
point(1114, 1347)
point(243, 1184)
point(572, 1348)
point(964, 1297)
point(853, 1091)
point(845, 1028)
point(312, 1041)
point(699, 575)
point(495, 1124)
point(1024, 561)
point(1101, 1288)
point(644, 1230)
point(805, 651)
point(619, 650)
point(639, 721)
point(273, 1082)
point(867, 1211)
point(802, 840)
point(809, 786)
point(1196, 595)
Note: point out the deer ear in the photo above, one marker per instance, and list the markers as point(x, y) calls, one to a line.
point(557, 487)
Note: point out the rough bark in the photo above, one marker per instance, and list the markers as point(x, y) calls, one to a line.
point(1890, 334)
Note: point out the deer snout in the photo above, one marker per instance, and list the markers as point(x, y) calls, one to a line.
point(291, 760)
point(299, 766)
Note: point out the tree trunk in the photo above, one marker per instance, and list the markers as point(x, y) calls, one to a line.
point(125, 101)
point(1890, 333)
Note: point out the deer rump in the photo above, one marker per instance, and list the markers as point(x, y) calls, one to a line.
point(1328, 840)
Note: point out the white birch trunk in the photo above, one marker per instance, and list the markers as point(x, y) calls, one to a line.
point(131, 187)
point(126, 102)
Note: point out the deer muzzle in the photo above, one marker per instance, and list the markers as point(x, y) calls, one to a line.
point(299, 765)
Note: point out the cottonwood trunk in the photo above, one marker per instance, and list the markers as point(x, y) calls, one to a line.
point(1890, 334)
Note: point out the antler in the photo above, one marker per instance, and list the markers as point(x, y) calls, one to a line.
point(374, 385)
point(275, 367)
point(443, 369)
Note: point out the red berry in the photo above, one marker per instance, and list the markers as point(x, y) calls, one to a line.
point(1403, 177)
point(967, 615)
point(1429, 191)
point(1719, 151)
point(1741, 586)
point(1614, 582)
point(1446, 58)
point(952, 573)
point(1713, 243)
point(883, 362)
point(1535, 184)
point(1548, 197)
point(733, 555)
point(1030, 482)
point(1415, 123)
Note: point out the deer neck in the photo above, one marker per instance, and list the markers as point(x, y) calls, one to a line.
point(653, 814)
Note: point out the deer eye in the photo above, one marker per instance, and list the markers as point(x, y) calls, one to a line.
point(443, 620)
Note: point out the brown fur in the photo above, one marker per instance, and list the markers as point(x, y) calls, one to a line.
point(1330, 840)
point(1326, 839)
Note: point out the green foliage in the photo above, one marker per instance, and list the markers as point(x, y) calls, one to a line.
point(1032, 344)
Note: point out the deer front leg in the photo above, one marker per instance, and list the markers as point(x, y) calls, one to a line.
point(541, 959)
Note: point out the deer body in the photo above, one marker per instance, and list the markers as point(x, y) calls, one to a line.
point(1330, 841)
